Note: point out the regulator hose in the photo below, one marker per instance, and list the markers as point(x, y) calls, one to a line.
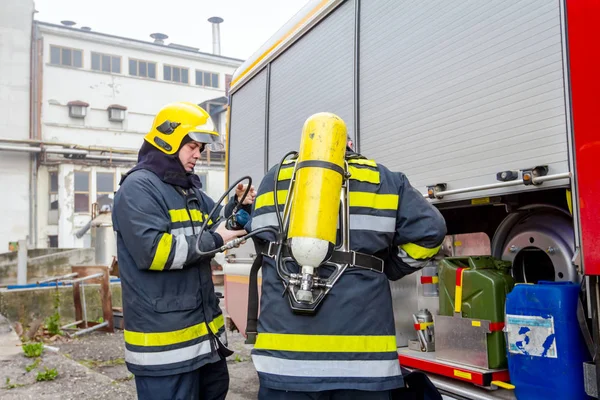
point(235, 242)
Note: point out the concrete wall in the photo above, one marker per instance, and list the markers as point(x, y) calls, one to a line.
point(15, 39)
point(27, 305)
point(43, 266)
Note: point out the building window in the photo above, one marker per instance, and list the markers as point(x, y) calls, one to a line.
point(53, 198)
point(54, 190)
point(106, 63)
point(82, 191)
point(175, 74)
point(105, 188)
point(144, 69)
point(66, 56)
point(207, 79)
point(52, 240)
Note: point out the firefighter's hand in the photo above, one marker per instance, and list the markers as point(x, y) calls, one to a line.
point(227, 234)
point(239, 192)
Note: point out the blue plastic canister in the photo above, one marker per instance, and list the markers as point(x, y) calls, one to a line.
point(546, 349)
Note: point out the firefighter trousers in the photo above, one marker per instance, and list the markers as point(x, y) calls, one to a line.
point(272, 394)
point(209, 382)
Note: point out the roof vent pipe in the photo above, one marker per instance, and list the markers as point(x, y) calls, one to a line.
point(159, 38)
point(216, 34)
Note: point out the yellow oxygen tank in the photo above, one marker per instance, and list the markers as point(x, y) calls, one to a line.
point(316, 198)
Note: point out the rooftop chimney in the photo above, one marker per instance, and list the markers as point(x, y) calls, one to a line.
point(159, 38)
point(68, 23)
point(215, 21)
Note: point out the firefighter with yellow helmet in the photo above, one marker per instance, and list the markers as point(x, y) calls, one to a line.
point(175, 341)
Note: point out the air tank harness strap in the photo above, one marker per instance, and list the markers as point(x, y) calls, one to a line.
point(321, 164)
point(352, 258)
point(253, 300)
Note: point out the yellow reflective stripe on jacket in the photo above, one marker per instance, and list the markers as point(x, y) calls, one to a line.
point(419, 252)
point(286, 174)
point(217, 324)
point(361, 161)
point(325, 343)
point(357, 199)
point(374, 200)
point(364, 175)
point(161, 255)
point(358, 174)
point(267, 199)
point(174, 337)
point(181, 215)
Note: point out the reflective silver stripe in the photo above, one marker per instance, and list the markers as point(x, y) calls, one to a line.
point(181, 251)
point(327, 368)
point(169, 356)
point(223, 338)
point(411, 262)
point(267, 219)
point(372, 223)
point(187, 231)
point(357, 222)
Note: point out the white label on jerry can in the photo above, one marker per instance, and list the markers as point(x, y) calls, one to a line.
point(531, 335)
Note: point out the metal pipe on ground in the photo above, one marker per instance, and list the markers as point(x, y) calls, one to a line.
point(57, 278)
point(90, 329)
point(85, 278)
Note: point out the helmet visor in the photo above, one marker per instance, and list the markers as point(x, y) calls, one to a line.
point(206, 134)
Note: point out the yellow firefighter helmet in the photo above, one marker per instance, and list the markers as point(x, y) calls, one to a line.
point(176, 120)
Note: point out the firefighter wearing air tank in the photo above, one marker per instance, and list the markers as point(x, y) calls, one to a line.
point(346, 348)
point(175, 341)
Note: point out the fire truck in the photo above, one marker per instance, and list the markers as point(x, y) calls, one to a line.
point(490, 108)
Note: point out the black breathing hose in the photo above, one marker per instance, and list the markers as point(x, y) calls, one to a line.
point(237, 241)
point(281, 268)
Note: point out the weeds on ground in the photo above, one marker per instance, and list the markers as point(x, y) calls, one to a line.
point(101, 364)
point(122, 380)
point(33, 366)
point(47, 375)
point(33, 349)
point(53, 321)
point(12, 385)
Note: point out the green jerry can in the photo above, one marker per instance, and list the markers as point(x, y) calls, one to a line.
point(483, 283)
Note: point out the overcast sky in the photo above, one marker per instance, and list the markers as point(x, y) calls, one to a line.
point(247, 25)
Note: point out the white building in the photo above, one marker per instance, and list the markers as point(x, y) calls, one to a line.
point(96, 95)
point(15, 168)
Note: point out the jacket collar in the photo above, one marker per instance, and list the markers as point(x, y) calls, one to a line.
point(167, 167)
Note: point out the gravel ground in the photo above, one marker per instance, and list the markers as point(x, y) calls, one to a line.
point(92, 367)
